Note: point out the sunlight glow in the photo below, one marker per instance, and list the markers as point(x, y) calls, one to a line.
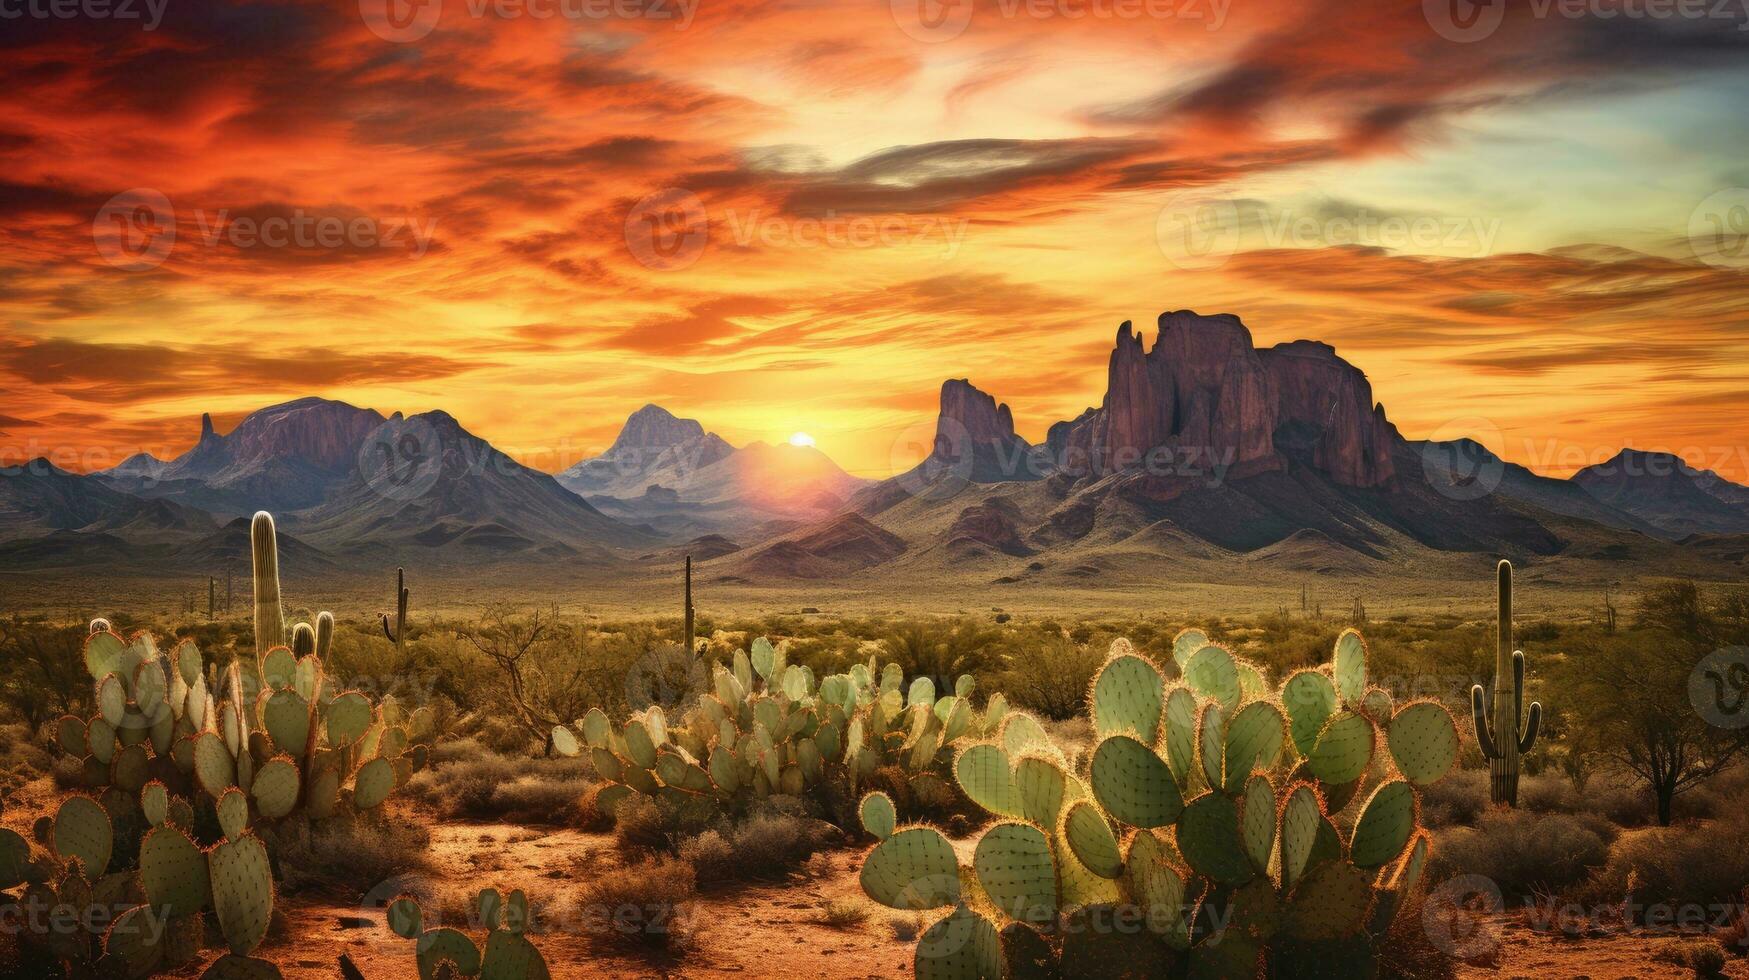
point(801, 439)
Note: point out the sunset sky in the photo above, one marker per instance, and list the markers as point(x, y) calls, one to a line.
point(1526, 222)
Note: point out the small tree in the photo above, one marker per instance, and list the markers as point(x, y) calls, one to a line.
point(1631, 695)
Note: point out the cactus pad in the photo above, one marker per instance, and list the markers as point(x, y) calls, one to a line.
point(961, 946)
point(373, 783)
point(1301, 818)
point(1127, 695)
point(1423, 741)
point(1344, 749)
point(983, 772)
point(1211, 674)
point(1257, 820)
point(1181, 733)
point(1186, 644)
point(440, 946)
point(276, 788)
point(878, 815)
point(1091, 840)
point(406, 918)
point(1348, 669)
point(1254, 738)
point(1211, 743)
point(84, 831)
point(15, 862)
point(1310, 700)
point(911, 870)
point(349, 716)
point(1021, 731)
point(155, 803)
point(242, 890)
point(136, 941)
point(1331, 903)
point(233, 810)
point(103, 652)
point(233, 967)
point(1209, 837)
point(510, 956)
point(173, 872)
point(1133, 784)
point(1041, 785)
point(1014, 865)
point(1384, 826)
point(214, 766)
point(112, 699)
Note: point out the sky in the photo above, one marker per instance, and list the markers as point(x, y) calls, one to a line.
point(1527, 222)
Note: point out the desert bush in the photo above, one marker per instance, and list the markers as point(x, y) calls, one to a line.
point(645, 824)
point(1703, 956)
point(42, 675)
point(843, 913)
point(345, 854)
point(1693, 864)
point(1409, 950)
point(1459, 799)
point(647, 905)
point(1051, 677)
point(942, 650)
point(767, 845)
point(477, 783)
point(1522, 852)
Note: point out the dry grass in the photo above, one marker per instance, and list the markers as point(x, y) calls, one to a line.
point(353, 855)
point(645, 906)
point(1703, 956)
point(767, 846)
point(1696, 866)
point(1523, 853)
point(470, 781)
point(843, 913)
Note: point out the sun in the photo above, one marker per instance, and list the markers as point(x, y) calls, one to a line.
point(801, 439)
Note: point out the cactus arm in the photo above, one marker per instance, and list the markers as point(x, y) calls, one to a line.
point(1530, 727)
point(269, 616)
point(386, 630)
point(1517, 686)
point(1479, 715)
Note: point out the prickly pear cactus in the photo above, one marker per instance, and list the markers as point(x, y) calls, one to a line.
point(1207, 810)
point(508, 954)
point(768, 727)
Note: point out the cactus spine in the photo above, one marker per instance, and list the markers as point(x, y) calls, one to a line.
point(1505, 741)
point(269, 616)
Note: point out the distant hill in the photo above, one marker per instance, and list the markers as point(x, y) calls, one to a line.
point(1664, 491)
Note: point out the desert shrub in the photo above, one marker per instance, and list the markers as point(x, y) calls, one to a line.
point(1692, 864)
point(1735, 936)
point(1051, 677)
point(345, 854)
point(42, 675)
point(764, 846)
point(647, 905)
point(1703, 956)
point(943, 649)
point(644, 824)
point(1409, 949)
point(476, 783)
point(1521, 852)
point(843, 913)
point(1457, 800)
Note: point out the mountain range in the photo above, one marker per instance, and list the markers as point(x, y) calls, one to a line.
point(1205, 449)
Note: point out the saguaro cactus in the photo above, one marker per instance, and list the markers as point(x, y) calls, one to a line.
point(691, 642)
point(269, 617)
point(398, 635)
point(1505, 741)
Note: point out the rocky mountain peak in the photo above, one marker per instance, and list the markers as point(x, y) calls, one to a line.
point(654, 427)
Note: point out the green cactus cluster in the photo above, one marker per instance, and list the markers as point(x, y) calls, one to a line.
point(195, 775)
point(768, 727)
point(447, 952)
point(1218, 830)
